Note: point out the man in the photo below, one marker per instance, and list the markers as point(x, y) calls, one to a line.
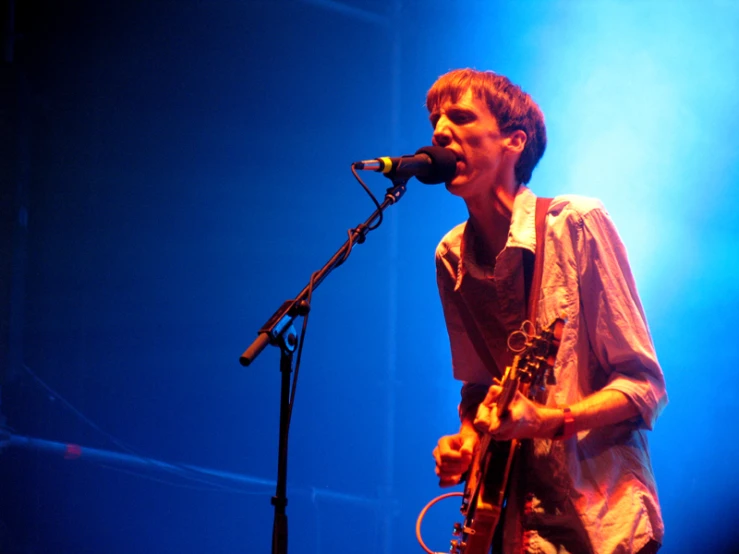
point(584, 481)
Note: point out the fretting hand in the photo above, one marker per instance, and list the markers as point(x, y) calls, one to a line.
point(524, 419)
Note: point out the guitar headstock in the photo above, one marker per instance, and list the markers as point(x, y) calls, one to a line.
point(533, 363)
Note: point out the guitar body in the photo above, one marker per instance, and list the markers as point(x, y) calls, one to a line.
point(484, 495)
point(487, 480)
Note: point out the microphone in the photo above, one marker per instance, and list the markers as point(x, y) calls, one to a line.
point(431, 165)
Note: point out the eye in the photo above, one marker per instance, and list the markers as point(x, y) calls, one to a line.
point(461, 117)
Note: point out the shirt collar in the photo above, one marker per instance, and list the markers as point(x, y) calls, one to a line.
point(521, 234)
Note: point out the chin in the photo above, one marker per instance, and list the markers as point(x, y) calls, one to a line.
point(455, 189)
point(454, 184)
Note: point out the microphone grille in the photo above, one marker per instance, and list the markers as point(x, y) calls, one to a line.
point(443, 167)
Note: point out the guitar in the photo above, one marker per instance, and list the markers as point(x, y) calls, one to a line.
point(487, 479)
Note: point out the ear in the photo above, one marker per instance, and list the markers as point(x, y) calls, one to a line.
point(515, 141)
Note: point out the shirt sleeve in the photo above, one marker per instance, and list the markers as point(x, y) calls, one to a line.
point(615, 318)
point(472, 394)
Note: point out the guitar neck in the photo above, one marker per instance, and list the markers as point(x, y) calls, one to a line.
point(508, 388)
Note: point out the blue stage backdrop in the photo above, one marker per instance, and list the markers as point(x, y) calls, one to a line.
point(187, 168)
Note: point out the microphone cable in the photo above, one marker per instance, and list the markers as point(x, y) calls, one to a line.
point(358, 230)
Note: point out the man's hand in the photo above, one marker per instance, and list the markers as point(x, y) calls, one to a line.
point(453, 455)
point(524, 419)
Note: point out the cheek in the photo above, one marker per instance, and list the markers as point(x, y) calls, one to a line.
point(475, 141)
point(484, 160)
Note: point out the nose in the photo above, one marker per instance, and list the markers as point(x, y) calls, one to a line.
point(442, 136)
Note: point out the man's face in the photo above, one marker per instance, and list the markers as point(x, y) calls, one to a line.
point(467, 128)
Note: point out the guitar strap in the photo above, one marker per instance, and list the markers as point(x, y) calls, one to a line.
point(533, 265)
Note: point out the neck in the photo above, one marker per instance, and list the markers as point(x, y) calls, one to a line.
point(491, 219)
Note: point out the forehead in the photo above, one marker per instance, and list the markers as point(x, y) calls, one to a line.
point(459, 99)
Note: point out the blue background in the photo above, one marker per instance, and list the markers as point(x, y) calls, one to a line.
point(187, 168)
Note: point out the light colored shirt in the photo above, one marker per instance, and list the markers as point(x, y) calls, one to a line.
point(602, 476)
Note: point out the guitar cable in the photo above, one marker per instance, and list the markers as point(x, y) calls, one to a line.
point(423, 514)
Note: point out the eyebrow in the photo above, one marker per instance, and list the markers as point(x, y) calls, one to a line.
point(452, 110)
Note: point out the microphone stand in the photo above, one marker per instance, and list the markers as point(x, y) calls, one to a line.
point(279, 331)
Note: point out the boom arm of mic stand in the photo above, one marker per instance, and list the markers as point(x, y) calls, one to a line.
point(278, 330)
point(285, 315)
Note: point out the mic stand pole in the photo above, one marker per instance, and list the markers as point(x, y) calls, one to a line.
point(279, 331)
point(287, 343)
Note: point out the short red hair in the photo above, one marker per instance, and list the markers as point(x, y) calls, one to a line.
point(508, 103)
